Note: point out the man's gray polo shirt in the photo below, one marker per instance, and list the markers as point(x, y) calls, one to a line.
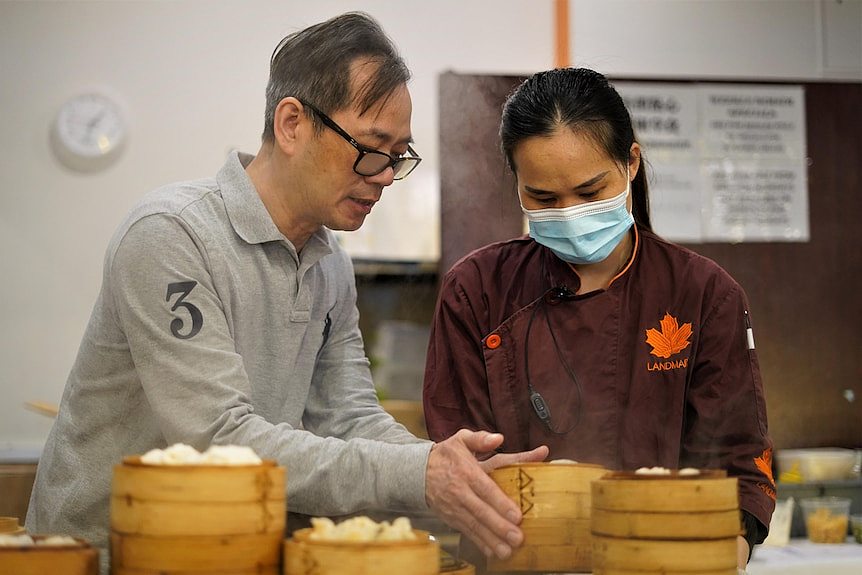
point(210, 328)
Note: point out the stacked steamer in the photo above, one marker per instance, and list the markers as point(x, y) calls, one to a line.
point(678, 523)
point(21, 554)
point(359, 546)
point(10, 526)
point(555, 503)
point(207, 517)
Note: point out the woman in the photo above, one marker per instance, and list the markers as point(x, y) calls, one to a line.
point(593, 335)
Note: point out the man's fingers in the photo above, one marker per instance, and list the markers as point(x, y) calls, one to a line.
point(494, 499)
point(460, 491)
point(463, 508)
point(480, 441)
point(534, 455)
point(485, 526)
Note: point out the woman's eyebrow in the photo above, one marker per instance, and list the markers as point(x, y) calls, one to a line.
point(592, 181)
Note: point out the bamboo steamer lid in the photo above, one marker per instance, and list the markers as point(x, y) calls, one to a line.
point(203, 483)
point(199, 500)
point(633, 555)
point(81, 559)
point(303, 556)
point(626, 491)
point(555, 503)
point(549, 490)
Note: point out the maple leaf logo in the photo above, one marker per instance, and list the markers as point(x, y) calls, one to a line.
point(672, 338)
point(764, 464)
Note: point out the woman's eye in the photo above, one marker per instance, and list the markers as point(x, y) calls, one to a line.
point(589, 195)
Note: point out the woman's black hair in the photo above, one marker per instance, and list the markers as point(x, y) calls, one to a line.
point(584, 101)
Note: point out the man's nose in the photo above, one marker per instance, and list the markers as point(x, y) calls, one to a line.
point(384, 178)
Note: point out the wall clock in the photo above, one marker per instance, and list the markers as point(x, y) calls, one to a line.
point(89, 132)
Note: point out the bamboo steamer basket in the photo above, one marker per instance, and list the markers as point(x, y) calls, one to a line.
point(261, 571)
point(10, 526)
point(555, 504)
point(302, 556)
point(81, 559)
point(206, 519)
point(665, 523)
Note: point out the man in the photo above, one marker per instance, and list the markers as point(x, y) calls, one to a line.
point(227, 316)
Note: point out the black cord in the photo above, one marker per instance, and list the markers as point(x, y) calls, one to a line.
point(538, 402)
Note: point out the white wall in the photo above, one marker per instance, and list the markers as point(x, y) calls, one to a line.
point(751, 39)
point(191, 76)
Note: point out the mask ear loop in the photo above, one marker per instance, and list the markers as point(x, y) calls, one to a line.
point(536, 400)
point(569, 371)
point(538, 403)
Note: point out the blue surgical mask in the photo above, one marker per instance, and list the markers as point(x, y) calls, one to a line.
point(585, 233)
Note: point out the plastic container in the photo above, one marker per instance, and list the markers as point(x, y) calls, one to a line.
point(779, 527)
point(856, 525)
point(816, 464)
point(826, 518)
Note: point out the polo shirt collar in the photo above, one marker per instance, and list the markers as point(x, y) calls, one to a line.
point(249, 216)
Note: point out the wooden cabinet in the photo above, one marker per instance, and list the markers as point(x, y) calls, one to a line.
point(16, 482)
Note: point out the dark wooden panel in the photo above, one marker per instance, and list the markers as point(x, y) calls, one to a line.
point(806, 298)
point(478, 199)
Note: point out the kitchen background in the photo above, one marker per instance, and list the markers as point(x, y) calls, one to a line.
point(190, 76)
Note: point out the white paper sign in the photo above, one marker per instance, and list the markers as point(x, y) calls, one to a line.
point(675, 201)
point(727, 161)
point(664, 117)
point(752, 122)
point(749, 200)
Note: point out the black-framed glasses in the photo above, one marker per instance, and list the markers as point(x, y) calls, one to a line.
point(371, 162)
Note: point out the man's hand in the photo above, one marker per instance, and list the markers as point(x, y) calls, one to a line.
point(458, 489)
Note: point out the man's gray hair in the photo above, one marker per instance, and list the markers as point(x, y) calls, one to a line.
point(313, 65)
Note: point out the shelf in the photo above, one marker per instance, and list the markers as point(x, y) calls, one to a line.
point(370, 269)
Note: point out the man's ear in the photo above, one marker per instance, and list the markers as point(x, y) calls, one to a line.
point(289, 115)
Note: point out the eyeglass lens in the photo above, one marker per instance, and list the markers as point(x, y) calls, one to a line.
point(372, 163)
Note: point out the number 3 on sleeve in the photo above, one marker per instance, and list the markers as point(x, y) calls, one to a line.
point(184, 289)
